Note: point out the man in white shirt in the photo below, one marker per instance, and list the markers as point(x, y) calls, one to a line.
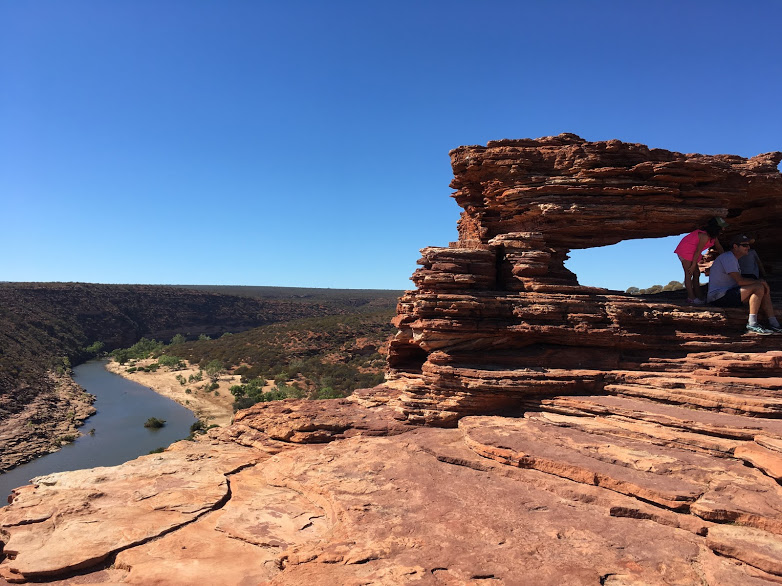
point(728, 288)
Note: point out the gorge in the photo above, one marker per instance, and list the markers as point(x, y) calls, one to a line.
point(530, 430)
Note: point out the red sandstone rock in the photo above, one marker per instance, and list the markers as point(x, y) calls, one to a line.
point(595, 437)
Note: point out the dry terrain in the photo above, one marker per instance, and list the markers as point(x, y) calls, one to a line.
point(210, 407)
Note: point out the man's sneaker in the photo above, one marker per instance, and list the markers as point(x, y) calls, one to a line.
point(696, 301)
point(758, 330)
point(775, 329)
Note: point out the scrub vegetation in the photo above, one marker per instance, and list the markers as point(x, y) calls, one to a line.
point(671, 286)
point(48, 328)
point(317, 358)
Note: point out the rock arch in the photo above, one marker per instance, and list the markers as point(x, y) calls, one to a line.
point(497, 319)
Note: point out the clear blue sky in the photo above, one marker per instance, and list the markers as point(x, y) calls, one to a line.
point(306, 143)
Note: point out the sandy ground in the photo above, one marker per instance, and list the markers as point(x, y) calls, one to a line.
point(207, 407)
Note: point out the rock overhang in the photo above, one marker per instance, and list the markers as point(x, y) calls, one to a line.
point(500, 300)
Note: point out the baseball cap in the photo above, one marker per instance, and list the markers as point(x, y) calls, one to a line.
point(741, 239)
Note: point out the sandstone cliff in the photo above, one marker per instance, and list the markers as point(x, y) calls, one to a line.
point(531, 431)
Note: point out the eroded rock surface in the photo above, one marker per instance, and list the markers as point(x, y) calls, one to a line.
point(41, 424)
point(571, 435)
point(498, 500)
point(497, 318)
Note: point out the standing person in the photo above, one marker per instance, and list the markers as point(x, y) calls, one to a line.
point(750, 265)
point(690, 250)
point(728, 288)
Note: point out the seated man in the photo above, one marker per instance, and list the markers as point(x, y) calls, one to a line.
point(728, 288)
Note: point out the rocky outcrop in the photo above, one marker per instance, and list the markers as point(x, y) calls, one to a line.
point(572, 435)
point(606, 494)
point(497, 318)
point(39, 421)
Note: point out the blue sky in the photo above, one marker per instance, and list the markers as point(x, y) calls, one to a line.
point(306, 143)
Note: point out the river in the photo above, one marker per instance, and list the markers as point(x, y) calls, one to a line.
point(122, 408)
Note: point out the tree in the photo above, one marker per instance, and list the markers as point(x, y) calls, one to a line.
point(213, 369)
point(178, 339)
point(172, 362)
point(94, 348)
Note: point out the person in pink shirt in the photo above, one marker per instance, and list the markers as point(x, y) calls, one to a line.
point(690, 250)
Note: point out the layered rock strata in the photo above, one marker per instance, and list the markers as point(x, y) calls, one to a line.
point(35, 423)
point(497, 318)
point(591, 490)
point(575, 435)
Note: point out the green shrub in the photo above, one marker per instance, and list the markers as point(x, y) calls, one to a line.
point(94, 348)
point(155, 423)
point(66, 439)
point(144, 348)
point(329, 393)
point(178, 339)
point(171, 362)
point(214, 368)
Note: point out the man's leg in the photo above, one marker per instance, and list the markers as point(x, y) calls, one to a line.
point(767, 307)
point(754, 294)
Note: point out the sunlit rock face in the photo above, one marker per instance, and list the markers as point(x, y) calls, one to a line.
point(497, 319)
point(638, 441)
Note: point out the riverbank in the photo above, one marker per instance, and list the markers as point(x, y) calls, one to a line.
point(213, 408)
point(114, 434)
point(49, 420)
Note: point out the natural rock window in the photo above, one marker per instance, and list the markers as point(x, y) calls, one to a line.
point(640, 263)
point(499, 318)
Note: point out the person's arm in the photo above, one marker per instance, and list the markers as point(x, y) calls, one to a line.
point(740, 281)
point(718, 246)
point(702, 239)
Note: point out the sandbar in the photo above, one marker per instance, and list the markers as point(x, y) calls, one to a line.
point(213, 408)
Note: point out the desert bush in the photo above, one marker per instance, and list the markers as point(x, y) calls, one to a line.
point(214, 368)
point(66, 439)
point(144, 348)
point(178, 339)
point(171, 362)
point(94, 349)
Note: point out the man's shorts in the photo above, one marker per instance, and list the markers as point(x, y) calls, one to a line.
point(732, 298)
